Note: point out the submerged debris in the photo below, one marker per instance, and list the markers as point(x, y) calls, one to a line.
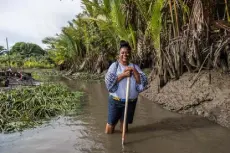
point(9, 78)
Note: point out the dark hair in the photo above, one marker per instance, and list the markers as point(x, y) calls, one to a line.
point(124, 44)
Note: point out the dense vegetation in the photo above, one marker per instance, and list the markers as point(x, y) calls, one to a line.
point(27, 49)
point(27, 107)
point(18, 61)
point(170, 36)
point(26, 55)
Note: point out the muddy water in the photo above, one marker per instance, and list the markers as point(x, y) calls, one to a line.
point(154, 131)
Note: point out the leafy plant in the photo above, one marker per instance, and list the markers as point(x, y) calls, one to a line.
point(27, 107)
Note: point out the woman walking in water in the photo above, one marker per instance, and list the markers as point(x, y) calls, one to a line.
point(115, 80)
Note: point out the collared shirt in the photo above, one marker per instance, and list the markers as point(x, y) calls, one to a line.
point(119, 89)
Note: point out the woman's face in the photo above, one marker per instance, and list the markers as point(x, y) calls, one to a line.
point(124, 54)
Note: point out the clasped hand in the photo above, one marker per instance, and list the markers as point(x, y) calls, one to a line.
point(128, 71)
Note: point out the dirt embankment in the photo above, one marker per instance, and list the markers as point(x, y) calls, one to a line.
point(210, 100)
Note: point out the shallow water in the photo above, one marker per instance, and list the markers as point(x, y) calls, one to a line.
point(154, 130)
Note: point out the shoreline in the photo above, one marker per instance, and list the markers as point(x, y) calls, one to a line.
point(211, 101)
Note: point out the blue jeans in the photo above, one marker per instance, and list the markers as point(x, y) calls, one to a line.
point(116, 110)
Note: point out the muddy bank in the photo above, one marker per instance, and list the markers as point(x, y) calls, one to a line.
point(203, 98)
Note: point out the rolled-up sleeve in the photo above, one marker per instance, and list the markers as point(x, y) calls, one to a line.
point(144, 80)
point(111, 78)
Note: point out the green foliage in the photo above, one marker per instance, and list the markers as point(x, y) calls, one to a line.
point(27, 107)
point(155, 23)
point(27, 49)
point(2, 48)
point(26, 55)
point(18, 61)
point(94, 32)
point(15, 61)
point(98, 30)
point(34, 62)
